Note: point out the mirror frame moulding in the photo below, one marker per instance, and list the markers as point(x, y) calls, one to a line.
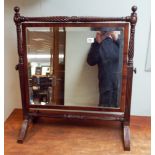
point(125, 26)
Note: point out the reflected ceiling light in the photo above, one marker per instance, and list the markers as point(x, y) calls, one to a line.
point(38, 29)
point(41, 50)
point(38, 56)
point(38, 39)
point(42, 56)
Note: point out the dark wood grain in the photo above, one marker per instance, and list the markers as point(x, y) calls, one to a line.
point(23, 130)
point(64, 19)
point(130, 66)
point(126, 137)
point(130, 70)
point(20, 65)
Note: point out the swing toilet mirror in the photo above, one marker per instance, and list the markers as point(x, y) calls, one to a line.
point(62, 69)
point(76, 68)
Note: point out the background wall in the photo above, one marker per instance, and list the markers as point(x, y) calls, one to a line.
point(141, 103)
point(81, 84)
point(81, 79)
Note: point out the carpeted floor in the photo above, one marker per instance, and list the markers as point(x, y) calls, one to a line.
point(74, 137)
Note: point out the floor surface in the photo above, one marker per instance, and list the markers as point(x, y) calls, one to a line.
point(74, 137)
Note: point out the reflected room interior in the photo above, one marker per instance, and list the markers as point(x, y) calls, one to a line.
point(58, 71)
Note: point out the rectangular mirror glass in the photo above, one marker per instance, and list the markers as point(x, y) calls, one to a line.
point(75, 66)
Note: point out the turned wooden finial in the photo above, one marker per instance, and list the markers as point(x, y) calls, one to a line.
point(16, 9)
point(133, 18)
point(17, 15)
point(134, 8)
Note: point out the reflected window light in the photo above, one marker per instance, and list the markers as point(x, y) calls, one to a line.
point(31, 102)
point(43, 103)
point(61, 56)
point(33, 67)
point(45, 70)
point(34, 64)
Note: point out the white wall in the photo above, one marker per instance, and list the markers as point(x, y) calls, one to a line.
point(141, 83)
point(81, 84)
point(11, 82)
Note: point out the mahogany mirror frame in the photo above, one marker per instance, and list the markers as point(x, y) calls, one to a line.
point(33, 112)
point(124, 26)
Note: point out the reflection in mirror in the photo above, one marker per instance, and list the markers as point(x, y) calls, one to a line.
point(45, 54)
point(104, 52)
point(75, 66)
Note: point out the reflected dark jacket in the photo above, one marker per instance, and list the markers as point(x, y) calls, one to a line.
point(106, 55)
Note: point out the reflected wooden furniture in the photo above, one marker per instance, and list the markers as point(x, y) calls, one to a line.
point(40, 88)
point(32, 112)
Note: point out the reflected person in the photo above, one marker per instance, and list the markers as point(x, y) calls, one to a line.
point(105, 53)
